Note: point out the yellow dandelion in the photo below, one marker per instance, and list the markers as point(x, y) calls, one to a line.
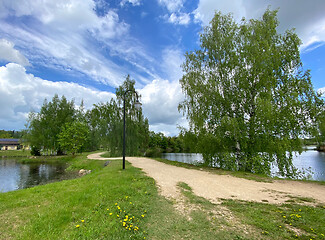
point(115, 203)
point(110, 214)
point(107, 209)
point(82, 220)
point(142, 215)
point(77, 226)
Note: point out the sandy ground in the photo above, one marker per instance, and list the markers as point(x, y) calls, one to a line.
point(215, 187)
point(96, 156)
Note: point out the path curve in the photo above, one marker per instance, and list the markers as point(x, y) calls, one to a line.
point(215, 187)
point(96, 156)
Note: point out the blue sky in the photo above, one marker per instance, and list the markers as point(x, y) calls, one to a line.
point(84, 49)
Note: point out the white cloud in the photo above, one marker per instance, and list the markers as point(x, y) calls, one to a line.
point(179, 18)
point(172, 5)
point(9, 53)
point(21, 92)
point(306, 17)
point(321, 91)
point(64, 37)
point(172, 59)
point(160, 101)
point(133, 2)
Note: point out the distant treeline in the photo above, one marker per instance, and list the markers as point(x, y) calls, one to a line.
point(10, 134)
point(61, 127)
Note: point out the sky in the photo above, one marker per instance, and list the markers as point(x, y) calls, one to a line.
point(84, 49)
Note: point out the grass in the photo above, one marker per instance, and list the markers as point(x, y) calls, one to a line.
point(15, 153)
point(111, 203)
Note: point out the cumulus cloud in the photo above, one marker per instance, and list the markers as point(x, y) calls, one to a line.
point(179, 18)
point(160, 101)
point(9, 53)
point(21, 92)
point(175, 9)
point(172, 5)
point(306, 17)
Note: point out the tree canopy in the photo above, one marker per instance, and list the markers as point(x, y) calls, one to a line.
point(248, 98)
point(60, 126)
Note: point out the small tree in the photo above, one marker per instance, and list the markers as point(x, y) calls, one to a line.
point(73, 136)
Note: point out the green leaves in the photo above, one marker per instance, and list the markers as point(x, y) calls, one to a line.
point(73, 136)
point(247, 93)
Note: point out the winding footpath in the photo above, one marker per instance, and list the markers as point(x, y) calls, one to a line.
point(215, 187)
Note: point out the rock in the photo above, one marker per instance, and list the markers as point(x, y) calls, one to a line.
point(83, 172)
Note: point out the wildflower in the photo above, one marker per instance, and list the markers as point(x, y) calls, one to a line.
point(77, 226)
point(130, 202)
point(117, 215)
point(110, 214)
point(82, 220)
point(107, 209)
point(142, 215)
point(284, 216)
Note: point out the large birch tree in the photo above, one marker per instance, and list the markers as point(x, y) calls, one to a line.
point(247, 96)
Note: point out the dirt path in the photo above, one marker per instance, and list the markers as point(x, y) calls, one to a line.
point(215, 187)
point(96, 156)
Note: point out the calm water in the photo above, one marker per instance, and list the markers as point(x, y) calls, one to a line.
point(15, 175)
point(313, 160)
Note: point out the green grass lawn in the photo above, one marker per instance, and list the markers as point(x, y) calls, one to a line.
point(15, 153)
point(111, 203)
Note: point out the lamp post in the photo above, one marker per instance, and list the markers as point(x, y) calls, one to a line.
point(137, 105)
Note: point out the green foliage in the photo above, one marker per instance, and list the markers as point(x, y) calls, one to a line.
point(159, 143)
point(10, 134)
point(106, 123)
point(73, 137)
point(44, 127)
point(61, 126)
point(35, 151)
point(247, 97)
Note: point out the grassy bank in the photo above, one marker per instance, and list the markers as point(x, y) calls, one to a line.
point(15, 153)
point(111, 203)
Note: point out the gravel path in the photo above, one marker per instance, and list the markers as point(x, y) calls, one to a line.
point(215, 187)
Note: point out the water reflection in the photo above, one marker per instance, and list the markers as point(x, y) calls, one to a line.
point(14, 175)
point(313, 160)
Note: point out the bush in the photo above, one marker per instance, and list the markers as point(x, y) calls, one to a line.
point(153, 152)
point(35, 151)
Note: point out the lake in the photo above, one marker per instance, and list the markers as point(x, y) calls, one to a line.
point(15, 175)
point(310, 159)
